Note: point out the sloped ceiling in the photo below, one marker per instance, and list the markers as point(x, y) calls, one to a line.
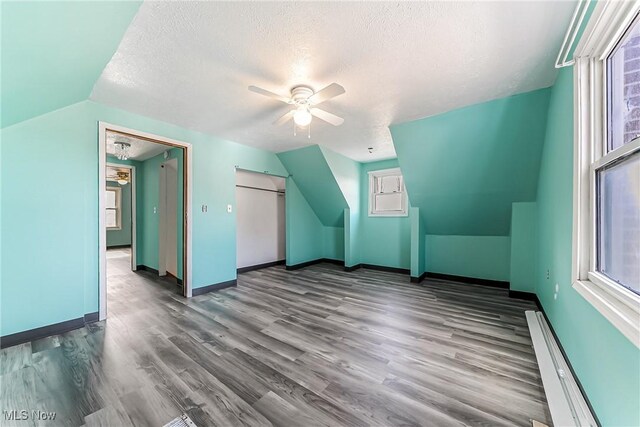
point(316, 182)
point(464, 168)
point(54, 51)
point(190, 62)
point(346, 172)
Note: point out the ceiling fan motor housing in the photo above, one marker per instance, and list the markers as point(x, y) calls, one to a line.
point(300, 95)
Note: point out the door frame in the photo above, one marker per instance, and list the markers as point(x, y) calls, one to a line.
point(132, 174)
point(103, 127)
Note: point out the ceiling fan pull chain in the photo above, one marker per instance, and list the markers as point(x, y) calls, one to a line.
point(309, 131)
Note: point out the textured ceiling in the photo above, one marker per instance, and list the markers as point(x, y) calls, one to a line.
point(189, 63)
point(140, 149)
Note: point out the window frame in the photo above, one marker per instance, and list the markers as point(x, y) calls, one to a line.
point(405, 200)
point(608, 25)
point(118, 208)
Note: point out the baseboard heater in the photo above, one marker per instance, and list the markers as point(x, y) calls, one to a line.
point(567, 405)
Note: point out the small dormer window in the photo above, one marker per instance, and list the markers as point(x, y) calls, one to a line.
point(387, 193)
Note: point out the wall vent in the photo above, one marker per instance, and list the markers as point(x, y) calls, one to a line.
point(181, 421)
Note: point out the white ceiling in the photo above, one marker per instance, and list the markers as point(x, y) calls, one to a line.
point(189, 63)
point(140, 150)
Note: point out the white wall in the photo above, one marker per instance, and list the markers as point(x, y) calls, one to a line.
point(260, 219)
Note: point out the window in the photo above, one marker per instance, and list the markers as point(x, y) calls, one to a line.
point(113, 207)
point(387, 194)
point(617, 175)
point(618, 222)
point(606, 245)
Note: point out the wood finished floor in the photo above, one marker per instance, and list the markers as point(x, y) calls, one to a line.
point(312, 347)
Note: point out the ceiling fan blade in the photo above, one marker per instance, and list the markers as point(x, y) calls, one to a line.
point(282, 120)
point(327, 117)
point(331, 91)
point(265, 92)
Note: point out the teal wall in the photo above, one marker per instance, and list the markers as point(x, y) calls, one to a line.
point(418, 243)
point(464, 168)
point(384, 241)
point(605, 361)
point(352, 237)
point(346, 173)
point(53, 52)
point(316, 181)
point(304, 231)
point(524, 246)
point(68, 139)
point(482, 257)
point(333, 243)
point(121, 237)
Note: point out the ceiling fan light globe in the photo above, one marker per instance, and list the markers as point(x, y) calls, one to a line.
point(123, 182)
point(302, 117)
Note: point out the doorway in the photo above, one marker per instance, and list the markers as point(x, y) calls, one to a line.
point(120, 211)
point(260, 220)
point(144, 209)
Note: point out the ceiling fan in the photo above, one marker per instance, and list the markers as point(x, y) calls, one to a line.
point(303, 101)
point(121, 177)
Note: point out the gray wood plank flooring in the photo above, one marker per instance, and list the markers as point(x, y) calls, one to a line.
point(312, 347)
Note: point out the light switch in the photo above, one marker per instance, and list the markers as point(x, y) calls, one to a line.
point(229, 209)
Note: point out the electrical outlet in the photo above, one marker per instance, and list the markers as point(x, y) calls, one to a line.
point(229, 208)
point(205, 208)
point(555, 296)
point(548, 274)
point(155, 209)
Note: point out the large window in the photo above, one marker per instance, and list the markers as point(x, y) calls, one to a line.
point(113, 207)
point(387, 194)
point(607, 166)
point(617, 175)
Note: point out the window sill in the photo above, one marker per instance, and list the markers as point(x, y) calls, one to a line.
point(386, 215)
point(617, 304)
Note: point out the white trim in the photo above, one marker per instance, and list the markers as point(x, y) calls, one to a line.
point(608, 24)
point(132, 183)
point(405, 200)
point(102, 239)
point(616, 303)
point(102, 229)
point(572, 33)
point(626, 150)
